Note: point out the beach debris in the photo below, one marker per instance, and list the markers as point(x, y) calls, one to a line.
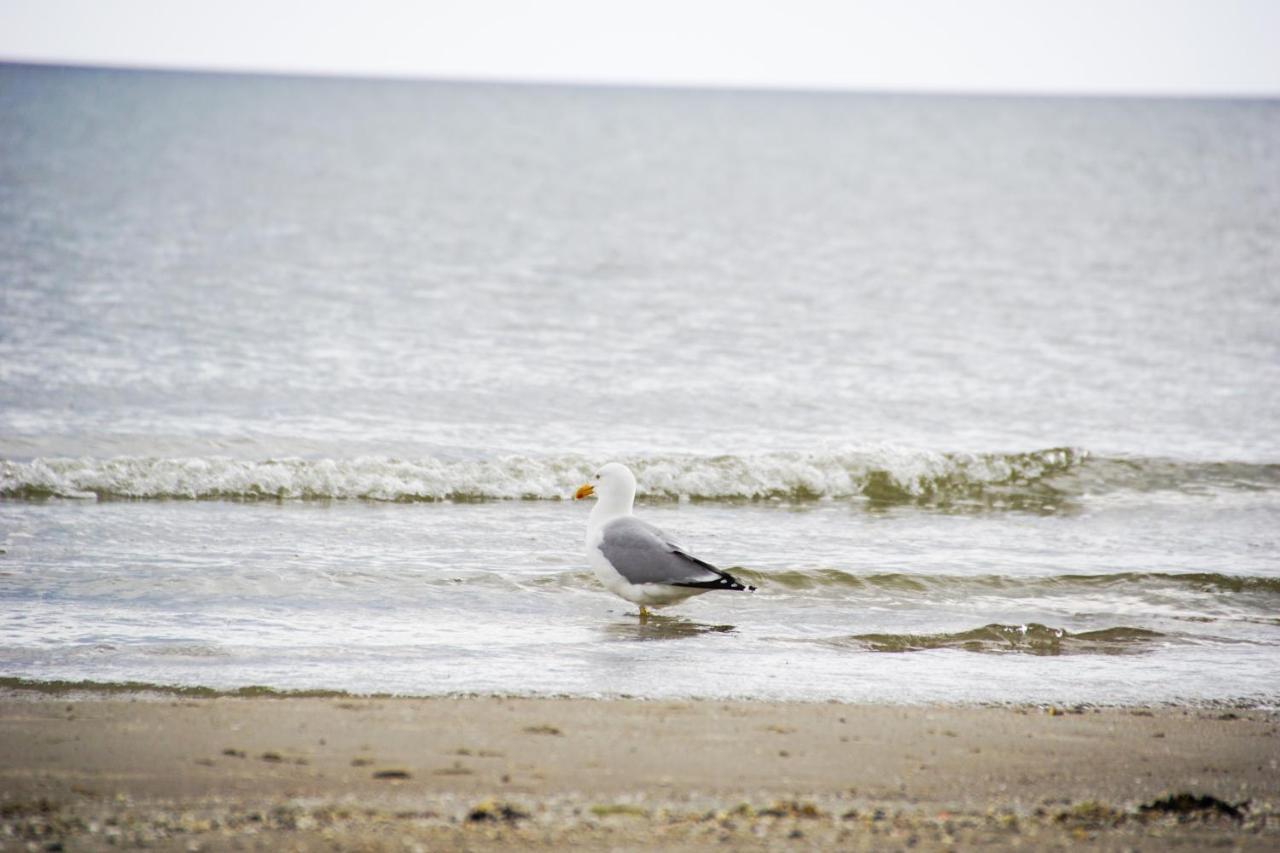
point(361, 762)
point(791, 808)
point(392, 773)
point(1091, 814)
point(235, 753)
point(542, 730)
point(1189, 805)
point(492, 810)
point(272, 757)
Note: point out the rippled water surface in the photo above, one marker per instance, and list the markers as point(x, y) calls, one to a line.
point(296, 378)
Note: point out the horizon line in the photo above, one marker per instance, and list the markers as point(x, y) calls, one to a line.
point(636, 83)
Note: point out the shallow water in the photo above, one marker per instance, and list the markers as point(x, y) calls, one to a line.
point(296, 378)
point(393, 598)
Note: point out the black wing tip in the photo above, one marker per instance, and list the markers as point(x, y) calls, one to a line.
point(728, 581)
point(725, 581)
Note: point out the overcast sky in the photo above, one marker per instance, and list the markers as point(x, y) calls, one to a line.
point(1087, 46)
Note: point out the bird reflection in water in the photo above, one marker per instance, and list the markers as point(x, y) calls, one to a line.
point(663, 628)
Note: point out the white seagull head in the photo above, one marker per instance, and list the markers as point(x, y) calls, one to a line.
point(614, 486)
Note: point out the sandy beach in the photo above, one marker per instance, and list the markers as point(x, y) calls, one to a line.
point(94, 770)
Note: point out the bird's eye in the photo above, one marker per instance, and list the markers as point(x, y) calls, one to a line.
point(597, 476)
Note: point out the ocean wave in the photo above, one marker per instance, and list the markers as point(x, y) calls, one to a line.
point(1261, 590)
point(1195, 596)
point(1036, 480)
point(1213, 583)
point(1032, 638)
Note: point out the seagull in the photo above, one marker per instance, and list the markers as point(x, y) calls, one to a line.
point(635, 560)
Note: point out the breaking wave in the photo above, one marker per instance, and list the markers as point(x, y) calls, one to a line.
point(1035, 480)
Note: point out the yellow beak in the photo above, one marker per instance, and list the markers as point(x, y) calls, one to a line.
point(586, 490)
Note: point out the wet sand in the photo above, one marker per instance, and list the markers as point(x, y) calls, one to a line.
point(91, 771)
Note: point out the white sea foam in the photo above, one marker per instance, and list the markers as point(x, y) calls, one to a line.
point(885, 473)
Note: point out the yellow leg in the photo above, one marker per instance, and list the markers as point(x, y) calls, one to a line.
point(644, 614)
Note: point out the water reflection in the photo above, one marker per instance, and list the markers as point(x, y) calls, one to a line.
point(661, 628)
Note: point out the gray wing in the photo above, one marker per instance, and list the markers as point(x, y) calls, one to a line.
point(643, 554)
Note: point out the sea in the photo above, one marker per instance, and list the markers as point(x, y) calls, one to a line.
point(298, 378)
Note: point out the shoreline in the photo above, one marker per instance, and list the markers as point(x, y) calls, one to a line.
point(215, 772)
point(19, 688)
